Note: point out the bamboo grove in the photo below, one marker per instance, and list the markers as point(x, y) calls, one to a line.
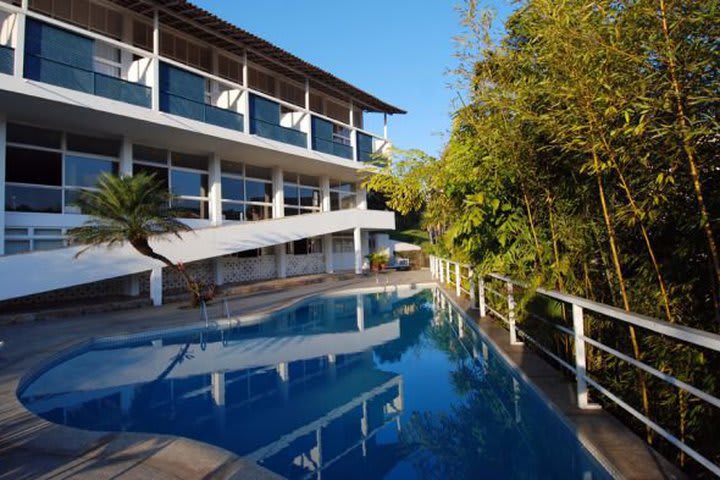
point(585, 156)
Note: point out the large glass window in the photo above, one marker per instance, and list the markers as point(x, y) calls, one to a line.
point(189, 184)
point(302, 194)
point(42, 177)
point(246, 192)
point(342, 195)
point(304, 246)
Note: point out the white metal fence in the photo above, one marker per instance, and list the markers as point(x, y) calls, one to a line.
point(466, 282)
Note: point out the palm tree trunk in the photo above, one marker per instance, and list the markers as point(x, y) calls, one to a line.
point(143, 246)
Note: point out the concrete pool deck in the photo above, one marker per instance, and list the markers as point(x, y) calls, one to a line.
point(31, 447)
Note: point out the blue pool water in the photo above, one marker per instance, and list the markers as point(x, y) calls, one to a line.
point(385, 385)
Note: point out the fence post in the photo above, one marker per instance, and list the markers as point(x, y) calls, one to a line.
point(481, 297)
point(511, 315)
point(441, 271)
point(473, 287)
point(580, 365)
point(447, 272)
point(458, 281)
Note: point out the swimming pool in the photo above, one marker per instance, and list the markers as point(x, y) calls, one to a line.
point(391, 385)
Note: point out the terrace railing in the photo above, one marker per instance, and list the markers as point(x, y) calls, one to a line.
point(480, 288)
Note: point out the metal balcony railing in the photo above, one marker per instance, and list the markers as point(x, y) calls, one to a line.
point(467, 282)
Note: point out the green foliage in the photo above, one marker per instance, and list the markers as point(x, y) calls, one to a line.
point(583, 156)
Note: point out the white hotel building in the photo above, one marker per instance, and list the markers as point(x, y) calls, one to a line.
point(263, 150)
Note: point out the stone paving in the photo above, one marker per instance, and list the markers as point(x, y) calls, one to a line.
point(31, 447)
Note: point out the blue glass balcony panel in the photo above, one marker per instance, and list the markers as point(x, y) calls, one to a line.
point(7, 58)
point(333, 148)
point(223, 118)
point(122, 90)
point(364, 147)
point(58, 45)
point(278, 132)
point(60, 74)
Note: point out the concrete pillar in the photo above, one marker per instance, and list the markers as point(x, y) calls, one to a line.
point(19, 43)
point(361, 198)
point(215, 190)
point(325, 193)
point(278, 193)
point(126, 158)
point(155, 75)
point(327, 246)
point(365, 240)
point(245, 95)
point(217, 380)
point(357, 241)
point(281, 260)
point(156, 290)
point(219, 270)
point(3, 136)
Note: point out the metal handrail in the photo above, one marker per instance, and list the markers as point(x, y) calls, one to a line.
point(439, 268)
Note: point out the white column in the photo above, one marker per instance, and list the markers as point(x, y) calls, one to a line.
point(126, 158)
point(279, 212)
point(360, 312)
point(278, 193)
point(353, 133)
point(217, 380)
point(155, 81)
point(385, 126)
point(219, 270)
point(156, 290)
point(215, 193)
point(308, 115)
point(3, 136)
point(246, 95)
point(325, 193)
point(361, 198)
point(19, 42)
point(327, 245)
point(365, 239)
point(357, 242)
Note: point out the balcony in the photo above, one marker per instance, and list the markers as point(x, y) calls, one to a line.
point(265, 121)
point(65, 59)
point(85, 61)
point(324, 139)
point(278, 132)
point(7, 57)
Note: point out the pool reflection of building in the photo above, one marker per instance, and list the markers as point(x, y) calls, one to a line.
point(299, 401)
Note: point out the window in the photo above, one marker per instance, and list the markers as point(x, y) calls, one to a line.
point(343, 243)
point(245, 198)
point(42, 177)
point(19, 240)
point(108, 60)
point(305, 246)
point(341, 134)
point(302, 194)
point(338, 112)
point(342, 195)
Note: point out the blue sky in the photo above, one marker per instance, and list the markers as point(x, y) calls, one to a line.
point(397, 50)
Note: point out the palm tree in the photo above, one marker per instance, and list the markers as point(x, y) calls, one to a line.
point(131, 209)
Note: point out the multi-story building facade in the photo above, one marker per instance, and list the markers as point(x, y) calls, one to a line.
point(263, 151)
